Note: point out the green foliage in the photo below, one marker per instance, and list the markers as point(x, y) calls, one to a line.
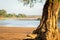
point(9, 15)
point(38, 18)
point(30, 2)
point(3, 12)
point(21, 15)
point(14, 15)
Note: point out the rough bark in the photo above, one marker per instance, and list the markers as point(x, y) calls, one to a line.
point(47, 30)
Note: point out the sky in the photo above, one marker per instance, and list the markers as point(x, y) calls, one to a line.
point(14, 6)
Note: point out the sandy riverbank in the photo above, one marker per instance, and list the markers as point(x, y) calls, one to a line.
point(19, 18)
point(14, 33)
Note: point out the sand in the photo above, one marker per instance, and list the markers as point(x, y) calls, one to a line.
point(14, 33)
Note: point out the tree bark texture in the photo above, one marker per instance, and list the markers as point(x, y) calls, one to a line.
point(47, 30)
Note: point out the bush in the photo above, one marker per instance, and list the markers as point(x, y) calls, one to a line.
point(38, 18)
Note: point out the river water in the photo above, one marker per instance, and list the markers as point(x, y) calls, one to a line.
point(21, 23)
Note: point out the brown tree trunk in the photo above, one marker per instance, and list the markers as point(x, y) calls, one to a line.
point(47, 30)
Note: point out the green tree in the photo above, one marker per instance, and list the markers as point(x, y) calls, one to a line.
point(9, 15)
point(21, 15)
point(14, 15)
point(47, 30)
point(2, 13)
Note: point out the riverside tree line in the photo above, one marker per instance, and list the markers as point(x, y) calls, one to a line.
point(4, 14)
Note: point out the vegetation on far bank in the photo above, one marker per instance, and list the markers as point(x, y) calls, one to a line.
point(5, 15)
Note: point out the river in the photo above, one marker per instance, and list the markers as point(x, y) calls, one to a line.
point(21, 23)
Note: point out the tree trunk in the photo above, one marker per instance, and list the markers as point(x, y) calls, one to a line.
point(47, 30)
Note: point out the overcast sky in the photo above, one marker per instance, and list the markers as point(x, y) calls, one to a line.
point(13, 6)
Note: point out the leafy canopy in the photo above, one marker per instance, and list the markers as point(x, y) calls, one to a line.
point(2, 12)
point(31, 2)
